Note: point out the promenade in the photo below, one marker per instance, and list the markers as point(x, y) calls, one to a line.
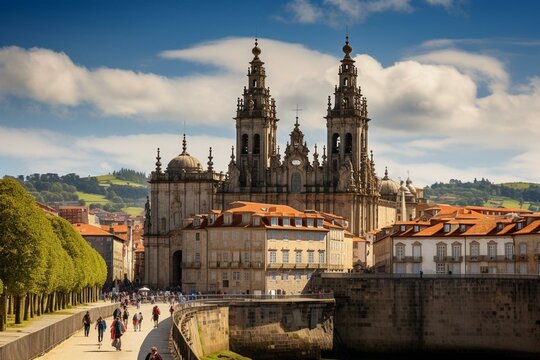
point(135, 344)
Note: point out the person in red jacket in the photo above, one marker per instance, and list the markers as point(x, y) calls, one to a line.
point(155, 315)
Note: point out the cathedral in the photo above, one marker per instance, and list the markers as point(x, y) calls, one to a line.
point(340, 180)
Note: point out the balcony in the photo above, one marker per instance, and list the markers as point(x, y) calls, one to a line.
point(335, 267)
point(522, 258)
point(407, 259)
point(257, 265)
point(448, 259)
point(244, 264)
point(235, 264)
point(191, 265)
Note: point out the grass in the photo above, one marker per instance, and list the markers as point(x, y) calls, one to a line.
point(107, 180)
point(92, 198)
point(225, 355)
point(133, 211)
point(517, 185)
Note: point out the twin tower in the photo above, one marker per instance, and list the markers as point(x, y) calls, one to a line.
point(340, 179)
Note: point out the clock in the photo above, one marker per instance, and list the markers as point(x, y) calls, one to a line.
point(296, 162)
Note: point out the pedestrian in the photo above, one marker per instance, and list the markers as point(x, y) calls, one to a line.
point(117, 330)
point(116, 313)
point(139, 320)
point(135, 321)
point(125, 316)
point(101, 325)
point(171, 309)
point(153, 354)
point(155, 315)
point(86, 321)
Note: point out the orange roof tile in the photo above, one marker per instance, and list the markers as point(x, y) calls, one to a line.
point(90, 230)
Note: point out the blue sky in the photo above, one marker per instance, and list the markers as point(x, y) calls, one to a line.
point(453, 86)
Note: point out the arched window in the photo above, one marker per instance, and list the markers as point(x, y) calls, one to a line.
point(348, 143)
point(296, 183)
point(336, 143)
point(244, 147)
point(256, 144)
point(254, 82)
point(346, 82)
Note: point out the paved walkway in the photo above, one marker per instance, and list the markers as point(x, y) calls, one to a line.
point(135, 344)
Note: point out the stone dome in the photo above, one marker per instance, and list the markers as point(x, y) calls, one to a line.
point(184, 163)
point(388, 187)
point(410, 186)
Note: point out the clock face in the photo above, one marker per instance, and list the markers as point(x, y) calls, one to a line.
point(296, 162)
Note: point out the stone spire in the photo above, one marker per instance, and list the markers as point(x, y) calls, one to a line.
point(158, 162)
point(184, 146)
point(210, 163)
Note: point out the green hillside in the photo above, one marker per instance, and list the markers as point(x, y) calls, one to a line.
point(517, 195)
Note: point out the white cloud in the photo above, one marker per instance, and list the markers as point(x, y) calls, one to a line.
point(447, 4)
point(425, 110)
point(304, 12)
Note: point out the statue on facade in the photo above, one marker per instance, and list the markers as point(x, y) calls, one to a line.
point(147, 223)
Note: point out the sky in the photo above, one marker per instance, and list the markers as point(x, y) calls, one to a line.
point(453, 86)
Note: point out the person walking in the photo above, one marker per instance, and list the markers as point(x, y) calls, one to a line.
point(153, 354)
point(135, 320)
point(117, 330)
point(101, 325)
point(171, 310)
point(125, 316)
point(117, 313)
point(155, 315)
point(86, 322)
point(139, 320)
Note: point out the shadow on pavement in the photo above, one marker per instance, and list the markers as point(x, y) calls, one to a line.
point(158, 337)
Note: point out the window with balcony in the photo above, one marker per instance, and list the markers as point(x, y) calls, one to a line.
point(509, 251)
point(400, 251)
point(285, 256)
point(456, 251)
point(310, 257)
point(492, 250)
point(441, 250)
point(272, 256)
point(417, 251)
point(475, 249)
point(298, 256)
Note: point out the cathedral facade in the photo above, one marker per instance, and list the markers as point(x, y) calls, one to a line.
point(340, 180)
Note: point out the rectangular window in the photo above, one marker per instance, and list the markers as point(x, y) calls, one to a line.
point(522, 249)
point(321, 257)
point(197, 236)
point(297, 276)
point(286, 221)
point(272, 258)
point(285, 255)
point(298, 221)
point(236, 275)
point(509, 251)
point(416, 268)
point(225, 257)
point(246, 275)
point(197, 257)
point(400, 268)
point(400, 252)
point(285, 276)
point(273, 276)
point(310, 257)
point(285, 235)
point(417, 252)
point(225, 275)
point(441, 250)
point(446, 228)
point(523, 268)
point(319, 222)
point(298, 256)
point(456, 251)
point(440, 268)
point(492, 251)
point(257, 276)
point(402, 228)
point(309, 222)
point(475, 250)
point(474, 268)
point(416, 228)
point(246, 257)
point(274, 221)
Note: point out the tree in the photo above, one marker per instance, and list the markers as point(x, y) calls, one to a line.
point(22, 250)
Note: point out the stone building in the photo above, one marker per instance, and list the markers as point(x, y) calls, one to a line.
point(258, 248)
point(461, 240)
point(341, 180)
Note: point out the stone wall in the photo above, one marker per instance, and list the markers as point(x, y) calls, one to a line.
point(281, 329)
point(383, 314)
point(36, 343)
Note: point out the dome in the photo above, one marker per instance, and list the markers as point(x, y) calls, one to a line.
point(184, 163)
point(410, 186)
point(388, 187)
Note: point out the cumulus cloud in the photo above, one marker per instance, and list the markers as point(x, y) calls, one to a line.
point(425, 110)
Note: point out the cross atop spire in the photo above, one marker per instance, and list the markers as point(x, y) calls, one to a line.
point(184, 146)
point(297, 111)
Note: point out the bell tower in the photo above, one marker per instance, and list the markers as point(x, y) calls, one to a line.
point(256, 127)
point(347, 128)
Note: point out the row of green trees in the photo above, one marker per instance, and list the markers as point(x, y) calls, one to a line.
point(45, 265)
